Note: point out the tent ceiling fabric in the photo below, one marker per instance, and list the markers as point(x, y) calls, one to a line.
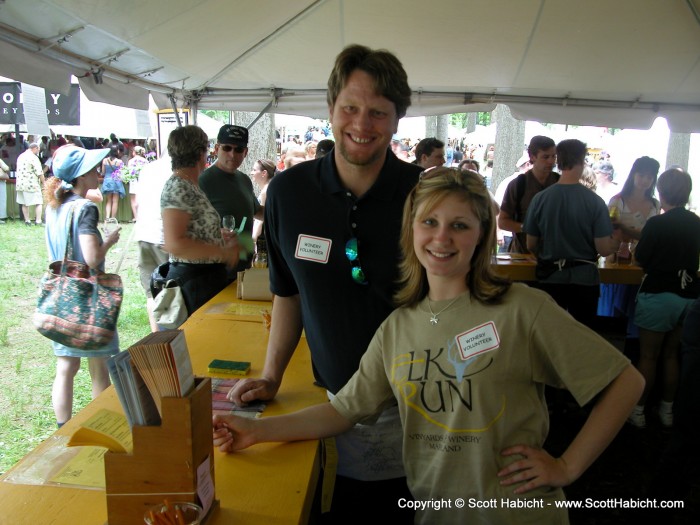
point(598, 62)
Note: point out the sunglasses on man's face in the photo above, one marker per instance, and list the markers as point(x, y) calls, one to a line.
point(227, 148)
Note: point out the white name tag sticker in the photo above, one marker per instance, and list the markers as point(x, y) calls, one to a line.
point(310, 248)
point(478, 340)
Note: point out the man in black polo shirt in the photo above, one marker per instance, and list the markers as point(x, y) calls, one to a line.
point(332, 227)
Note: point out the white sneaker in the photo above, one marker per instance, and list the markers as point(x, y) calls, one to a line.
point(637, 418)
point(666, 418)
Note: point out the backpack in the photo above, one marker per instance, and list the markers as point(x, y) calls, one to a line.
point(520, 182)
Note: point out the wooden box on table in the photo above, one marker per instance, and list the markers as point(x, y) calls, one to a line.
point(165, 460)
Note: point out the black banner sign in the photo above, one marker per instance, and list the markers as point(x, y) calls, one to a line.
point(61, 109)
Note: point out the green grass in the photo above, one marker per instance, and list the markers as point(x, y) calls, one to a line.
point(27, 363)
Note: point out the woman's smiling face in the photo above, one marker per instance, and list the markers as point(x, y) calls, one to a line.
point(444, 240)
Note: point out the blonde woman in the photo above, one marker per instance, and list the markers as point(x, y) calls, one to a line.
point(137, 160)
point(466, 357)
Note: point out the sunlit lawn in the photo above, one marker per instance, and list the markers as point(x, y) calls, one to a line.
point(27, 363)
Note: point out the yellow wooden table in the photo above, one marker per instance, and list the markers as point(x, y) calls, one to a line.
point(271, 483)
point(522, 268)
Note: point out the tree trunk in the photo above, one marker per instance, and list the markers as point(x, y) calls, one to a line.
point(437, 126)
point(471, 122)
point(261, 138)
point(678, 152)
point(510, 139)
point(443, 128)
point(430, 126)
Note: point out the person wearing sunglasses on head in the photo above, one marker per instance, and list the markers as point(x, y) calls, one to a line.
point(466, 356)
point(230, 190)
point(332, 226)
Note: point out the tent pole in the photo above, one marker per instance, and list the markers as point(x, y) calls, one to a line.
point(264, 110)
point(174, 106)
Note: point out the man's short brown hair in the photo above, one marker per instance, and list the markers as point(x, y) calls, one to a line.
point(390, 79)
point(539, 143)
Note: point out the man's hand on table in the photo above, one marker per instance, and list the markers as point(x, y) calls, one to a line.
point(246, 390)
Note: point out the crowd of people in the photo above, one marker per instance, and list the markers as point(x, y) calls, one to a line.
point(31, 163)
point(442, 267)
point(424, 346)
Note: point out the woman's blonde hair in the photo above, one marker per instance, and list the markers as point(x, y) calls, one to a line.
point(435, 185)
point(268, 166)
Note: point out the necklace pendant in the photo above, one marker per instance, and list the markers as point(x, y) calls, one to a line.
point(434, 320)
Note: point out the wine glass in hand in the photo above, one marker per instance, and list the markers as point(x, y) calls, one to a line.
point(229, 222)
point(110, 225)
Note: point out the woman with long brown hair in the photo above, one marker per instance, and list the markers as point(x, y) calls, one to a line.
point(262, 173)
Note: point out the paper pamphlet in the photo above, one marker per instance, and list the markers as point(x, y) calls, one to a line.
point(163, 362)
point(249, 311)
point(107, 429)
point(133, 394)
point(86, 469)
point(124, 393)
point(53, 463)
point(180, 358)
point(221, 405)
point(205, 485)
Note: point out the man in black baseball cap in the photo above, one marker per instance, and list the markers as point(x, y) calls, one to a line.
point(228, 189)
point(231, 134)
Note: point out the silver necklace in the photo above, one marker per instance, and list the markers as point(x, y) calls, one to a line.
point(434, 316)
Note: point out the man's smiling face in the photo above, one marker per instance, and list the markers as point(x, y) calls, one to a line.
point(363, 121)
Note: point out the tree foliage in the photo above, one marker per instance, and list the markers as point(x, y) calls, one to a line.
point(459, 120)
point(223, 116)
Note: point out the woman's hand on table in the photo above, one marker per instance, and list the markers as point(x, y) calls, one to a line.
point(246, 390)
point(232, 433)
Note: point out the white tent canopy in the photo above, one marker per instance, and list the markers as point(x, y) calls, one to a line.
point(615, 63)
